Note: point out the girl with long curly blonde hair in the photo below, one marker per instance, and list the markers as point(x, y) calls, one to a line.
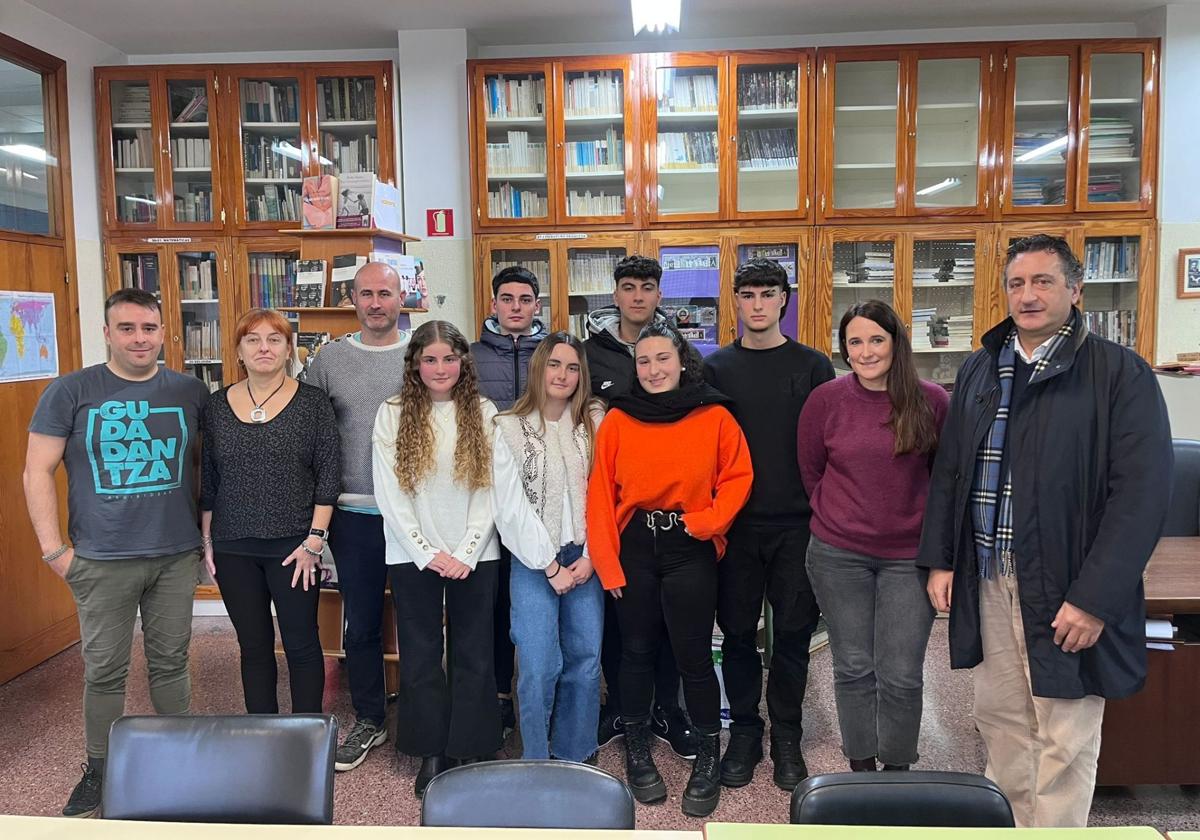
point(432, 464)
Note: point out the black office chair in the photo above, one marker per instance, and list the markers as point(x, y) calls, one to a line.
point(524, 793)
point(1183, 513)
point(229, 769)
point(919, 798)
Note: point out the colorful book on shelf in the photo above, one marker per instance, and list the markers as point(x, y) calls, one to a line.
point(345, 266)
point(320, 194)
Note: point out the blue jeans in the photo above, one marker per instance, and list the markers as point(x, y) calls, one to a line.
point(558, 658)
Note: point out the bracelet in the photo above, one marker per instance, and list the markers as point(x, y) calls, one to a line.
point(551, 577)
point(56, 553)
point(309, 551)
point(205, 541)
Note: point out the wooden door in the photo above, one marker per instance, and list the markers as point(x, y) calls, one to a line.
point(538, 254)
point(348, 126)
point(192, 168)
point(1120, 288)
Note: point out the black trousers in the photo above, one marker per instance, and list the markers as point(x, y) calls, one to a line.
point(666, 673)
point(249, 584)
point(504, 650)
point(766, 558)
point(459, 717)
point(359, 549)
point(671, 584)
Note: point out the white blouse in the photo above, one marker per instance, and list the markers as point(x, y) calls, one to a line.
point(442, 515)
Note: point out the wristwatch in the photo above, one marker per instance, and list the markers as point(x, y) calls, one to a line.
point(323, 533)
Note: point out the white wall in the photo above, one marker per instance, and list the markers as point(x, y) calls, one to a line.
point(81, 52)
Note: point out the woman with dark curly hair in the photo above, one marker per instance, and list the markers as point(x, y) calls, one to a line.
point(432, 468)
point(670, 472)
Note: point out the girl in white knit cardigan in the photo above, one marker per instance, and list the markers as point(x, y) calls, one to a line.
point(542, 456)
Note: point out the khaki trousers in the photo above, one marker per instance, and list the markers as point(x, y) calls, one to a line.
point(1042, 751)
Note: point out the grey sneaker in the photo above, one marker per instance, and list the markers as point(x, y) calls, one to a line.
point(85, 798)
point(358, 743)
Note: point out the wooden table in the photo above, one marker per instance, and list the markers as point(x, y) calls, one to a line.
point(1153, 738)
point(748, 831)
point(64, 828)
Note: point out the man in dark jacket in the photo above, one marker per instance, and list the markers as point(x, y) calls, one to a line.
point(506, 343)
point(1046, 502)
point(613, 332)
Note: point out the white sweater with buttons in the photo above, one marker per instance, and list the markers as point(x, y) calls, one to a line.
point(442, 515)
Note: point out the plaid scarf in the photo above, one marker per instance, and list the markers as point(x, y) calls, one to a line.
point(991, 500)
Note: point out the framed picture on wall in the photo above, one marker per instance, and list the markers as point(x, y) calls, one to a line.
point(1189, 273)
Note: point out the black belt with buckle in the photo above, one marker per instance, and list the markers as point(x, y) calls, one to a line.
point(663, 520)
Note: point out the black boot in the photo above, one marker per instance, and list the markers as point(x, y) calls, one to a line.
point(431, 765)
point(704, 787)
point(790, 769)
point(647, 786)
point(895, 767)
point(741, 757)
point(859, 765)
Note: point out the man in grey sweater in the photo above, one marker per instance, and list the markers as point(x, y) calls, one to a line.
point(358, 372)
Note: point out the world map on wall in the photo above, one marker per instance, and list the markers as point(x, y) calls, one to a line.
point(28, 338)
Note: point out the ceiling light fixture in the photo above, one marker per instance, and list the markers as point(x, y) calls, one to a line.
point(657, 16)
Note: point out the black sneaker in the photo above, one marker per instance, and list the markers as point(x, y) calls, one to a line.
point(508, 717)
point(85, 798)
point(610, 727)
point(671, 726)
point(358, 743)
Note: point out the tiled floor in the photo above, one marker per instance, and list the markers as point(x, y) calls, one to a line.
point(41, 743)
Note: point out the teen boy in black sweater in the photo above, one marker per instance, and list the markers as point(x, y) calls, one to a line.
point(768, 376)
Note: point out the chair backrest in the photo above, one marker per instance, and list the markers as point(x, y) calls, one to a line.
point(1183, 513)
point(918, 798)
point(524, 793)
point(229, 769)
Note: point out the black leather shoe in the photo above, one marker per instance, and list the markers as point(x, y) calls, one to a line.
point(860, 765)
point(647, 785)
point(895, 767)
point(431, 765)
point(790, 769)
point(703, 792)
point(741, 757)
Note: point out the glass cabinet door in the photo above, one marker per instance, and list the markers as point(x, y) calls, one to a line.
point(771, 149)
point(1110, 286)
point(862, 271)
point(190, 133)
point(134, 151)
point(691, 292)
point(1113, 145)
point(865, 122)
point(515, 125)
point(273, 160)
point(785, 253)
point(594, 142)
point(590, 281)
point(347, 125)
point(942, 328)
point(687, 151)
point(948, 132)
point(1040, 152)
point(200, 315)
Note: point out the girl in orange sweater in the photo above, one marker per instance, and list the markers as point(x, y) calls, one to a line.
point(671, 471)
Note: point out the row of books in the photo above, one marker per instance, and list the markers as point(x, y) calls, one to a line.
point(1044, 190)
point(591, 272)
point(194, 206)
point(597, 155)
point(600, 203)
point(958, 269)
point(140, 271)
point(262, 157)
point(1106, 260)
point(269, 102)
point(682, 92)
point(764, 148)
point(509, 202)
point(346, 99)
point(518, 155)
point(202, 339)
point(1119, 325)
point(1107, 186)
point(191, 151)
point(687, 149)
point(519, 97)
point(272, 280)
point(136, 152)
point(189, 104)
point(539, 268)
point(874, 267)
point(197, 279)
point(133, 106)
point(277, 203)
point(594, 93)
point(1110, 138)
point(357, 155)
point(137, 207)
point(1029, 190)
point(210, 375)
point(766, 90)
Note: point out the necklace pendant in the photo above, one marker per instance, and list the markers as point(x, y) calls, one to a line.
point(258, 416)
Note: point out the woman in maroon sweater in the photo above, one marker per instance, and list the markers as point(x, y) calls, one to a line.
point(865, 444)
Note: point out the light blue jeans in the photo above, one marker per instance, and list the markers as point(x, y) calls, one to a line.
point(558, 661)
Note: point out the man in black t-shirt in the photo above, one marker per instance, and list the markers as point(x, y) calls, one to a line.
point(768, 376)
